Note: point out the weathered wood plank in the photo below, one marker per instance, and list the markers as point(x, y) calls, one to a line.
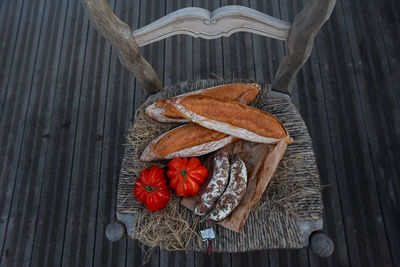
point(389, 23)
point(213, 260)
point(312, 107)
point(178, 258)
point(267, 53)
point(339, 87)
point(133, 253)
point(310, 100)
point(207, 55)
point(119, 108)
point(15, 113)
point(10, 19)
point(306, 25)
point(288, 258)
point(238, 52)
point(178, 51)
point(377, 92)
point(48, 244)
point(119, 35)
point(154, 53)
point(314, 112)
point(23, 215)
point(82, 207)
point(253, 258)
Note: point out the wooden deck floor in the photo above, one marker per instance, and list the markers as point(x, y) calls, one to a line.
point(66, 102)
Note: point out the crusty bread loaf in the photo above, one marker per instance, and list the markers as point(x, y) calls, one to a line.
point(241, 92)
point(189, 140)
point(232, 118)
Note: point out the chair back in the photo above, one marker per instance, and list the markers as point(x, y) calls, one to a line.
point(222, 22)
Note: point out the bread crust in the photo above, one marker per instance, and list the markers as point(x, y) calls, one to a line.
point(189, 140)
point(241, 92)
point(232, 118)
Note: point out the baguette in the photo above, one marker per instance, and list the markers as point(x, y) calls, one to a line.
point(232, 118)
point(241, 92)
point(189, 140)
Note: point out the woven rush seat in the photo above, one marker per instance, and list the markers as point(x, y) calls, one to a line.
point(289, 210)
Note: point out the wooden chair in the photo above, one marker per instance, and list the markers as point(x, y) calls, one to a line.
point(224, 21)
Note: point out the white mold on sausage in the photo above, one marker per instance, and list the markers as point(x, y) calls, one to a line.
point(233, 194)
point(217, 181)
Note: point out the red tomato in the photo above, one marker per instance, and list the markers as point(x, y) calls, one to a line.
point(151, 188)
point(186, 175)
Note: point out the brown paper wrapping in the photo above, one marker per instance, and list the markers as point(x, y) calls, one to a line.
point(261, 162)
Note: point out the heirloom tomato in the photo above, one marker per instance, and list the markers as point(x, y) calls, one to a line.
point(186, 175)
point(151, 188)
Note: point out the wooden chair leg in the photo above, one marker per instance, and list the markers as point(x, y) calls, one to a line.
point(123, 226)
point(321, 244)
point(115, 231)
point(307, 227)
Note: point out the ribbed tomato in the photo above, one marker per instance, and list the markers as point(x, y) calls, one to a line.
point(186, 175)
point(151, 188)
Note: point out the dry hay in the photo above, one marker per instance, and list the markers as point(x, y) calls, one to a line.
point(160, 229)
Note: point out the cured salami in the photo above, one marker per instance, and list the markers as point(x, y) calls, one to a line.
point(234, 192)
point(216, 183)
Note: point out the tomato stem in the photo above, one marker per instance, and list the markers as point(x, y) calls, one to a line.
point(149, 188)
point(184, 173)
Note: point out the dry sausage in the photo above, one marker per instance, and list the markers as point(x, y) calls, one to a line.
point(234, 192)
point(218, 179)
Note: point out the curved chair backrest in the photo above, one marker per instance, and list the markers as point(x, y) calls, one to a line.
point(224, 21)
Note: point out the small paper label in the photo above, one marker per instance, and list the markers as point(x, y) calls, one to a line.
point(207, 234)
